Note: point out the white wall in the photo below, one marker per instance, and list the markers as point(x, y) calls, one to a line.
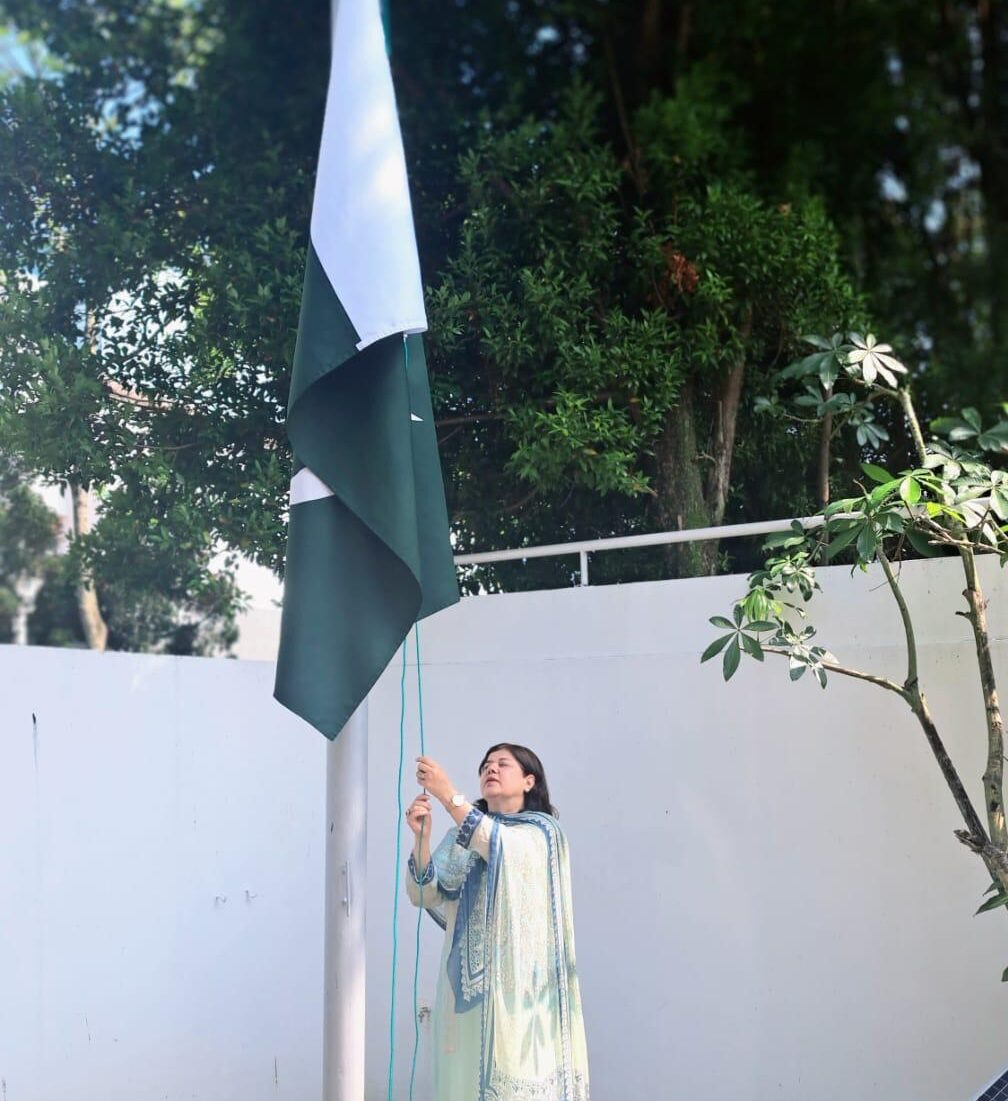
point(152, 794)
point(769, 899)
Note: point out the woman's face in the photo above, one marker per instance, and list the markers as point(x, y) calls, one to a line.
point(501, 779)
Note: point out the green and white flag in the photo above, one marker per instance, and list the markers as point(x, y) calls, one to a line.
point(368, 551)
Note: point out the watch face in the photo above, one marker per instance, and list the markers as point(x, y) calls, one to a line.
point(457, 800)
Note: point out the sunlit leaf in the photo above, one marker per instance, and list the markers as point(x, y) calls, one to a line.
point(910, 490)
point(877, 473)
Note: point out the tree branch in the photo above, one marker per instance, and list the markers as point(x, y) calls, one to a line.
point(845, 671)
point(993, 777)
point(908, 628)
point(632, 150)
point(915, 429)
point(446, 422)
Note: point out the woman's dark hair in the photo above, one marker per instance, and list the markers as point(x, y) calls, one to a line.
point(539, 797)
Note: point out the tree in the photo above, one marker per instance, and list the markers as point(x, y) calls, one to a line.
point(97, 383)
point(28, 535)
point(885, 113)
point(165, 147)
point(954, 499)
point(600, 323)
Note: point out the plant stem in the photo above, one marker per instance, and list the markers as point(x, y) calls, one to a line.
point(908, 628)
point(975, 836)
point(993, 777)
point(915, 429)
point(845, 671)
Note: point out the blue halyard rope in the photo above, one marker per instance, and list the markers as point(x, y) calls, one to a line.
point(398, 862)
point(416, 957)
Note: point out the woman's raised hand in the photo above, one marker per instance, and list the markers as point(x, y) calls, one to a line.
point(418, 815)
point(432, 776)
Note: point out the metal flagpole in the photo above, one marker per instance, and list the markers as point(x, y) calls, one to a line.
point(345, 880)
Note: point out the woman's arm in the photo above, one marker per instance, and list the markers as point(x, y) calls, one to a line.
point(421, 882)
point(422, 886)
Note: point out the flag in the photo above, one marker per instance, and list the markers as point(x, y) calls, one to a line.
point(368, 552)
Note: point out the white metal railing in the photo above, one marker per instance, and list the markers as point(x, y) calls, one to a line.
point(654, 539)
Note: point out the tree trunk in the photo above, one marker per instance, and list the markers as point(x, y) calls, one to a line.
point(680, 499)
point(725, 424)
point(993, 777)
point(92, 622)
point(974, 836)
point(686, 499)
point(823, 466)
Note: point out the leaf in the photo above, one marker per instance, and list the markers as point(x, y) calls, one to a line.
point(972, 418)
point(805, 366)
point(942, 426)
point(993, 903)
point(867, 543)
point(999, 503)
point(751, 646)
point(761, 625)
point(797, 670)
point(892, 523)
point(910, 490)
point(994, 439)
point(920, 544)
point(835, 546)
point(737, 615)
point(846, 505)
point(829, 371)
point(716, 647)
point(877, 473)
point(720, 621)
point(880, 493)
point(731, 659)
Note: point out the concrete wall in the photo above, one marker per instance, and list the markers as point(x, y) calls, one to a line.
point(769, 899)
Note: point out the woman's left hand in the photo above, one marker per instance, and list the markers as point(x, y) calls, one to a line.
point(432, 776)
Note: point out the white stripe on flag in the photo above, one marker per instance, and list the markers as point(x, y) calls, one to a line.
point(306, 486)
point(362, 222)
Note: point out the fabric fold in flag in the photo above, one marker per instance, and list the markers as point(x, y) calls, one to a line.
point(368, 549)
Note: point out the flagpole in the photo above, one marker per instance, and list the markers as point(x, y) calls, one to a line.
point(345, 912)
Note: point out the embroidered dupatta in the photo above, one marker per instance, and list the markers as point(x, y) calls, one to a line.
point(511, 962)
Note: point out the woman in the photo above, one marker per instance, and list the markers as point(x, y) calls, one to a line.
point(507, 1018)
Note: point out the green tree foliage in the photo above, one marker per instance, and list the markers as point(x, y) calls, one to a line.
point(118, 373)
point(887, 114)
point(600, 323)
point(28, 531)
point(659, 197)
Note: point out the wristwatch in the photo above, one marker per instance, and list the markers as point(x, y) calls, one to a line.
point(458, 799)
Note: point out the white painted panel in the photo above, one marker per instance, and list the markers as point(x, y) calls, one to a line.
point(133, 963)
point(769, 899)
